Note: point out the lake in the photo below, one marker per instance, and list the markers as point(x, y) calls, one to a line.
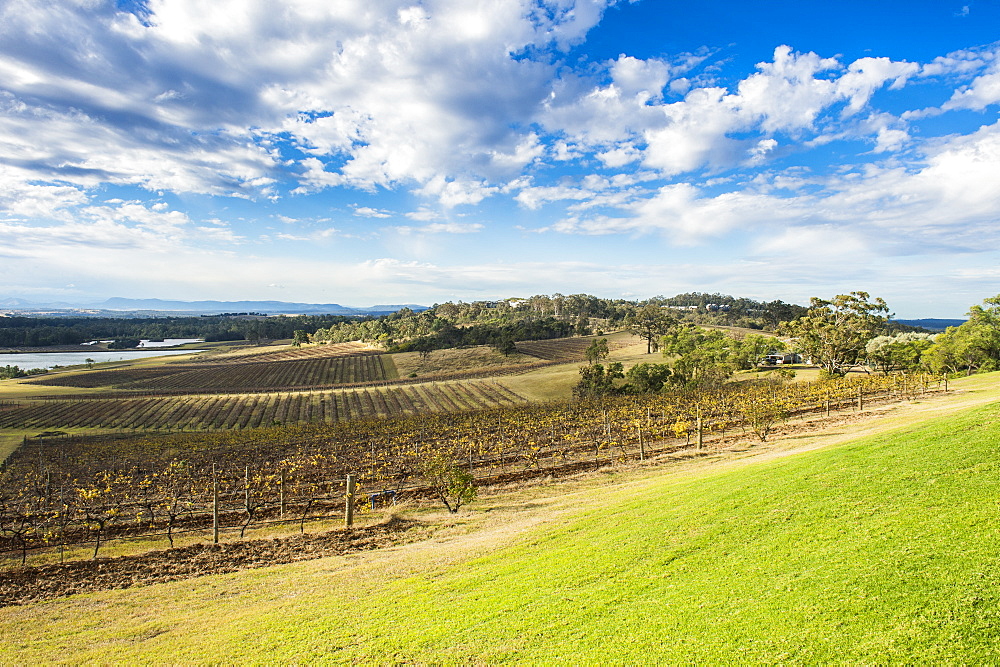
point(30, 360)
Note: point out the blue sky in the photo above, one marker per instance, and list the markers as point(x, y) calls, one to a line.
point(402, 151)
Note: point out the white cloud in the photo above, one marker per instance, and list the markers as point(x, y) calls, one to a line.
point(314, 236)
point(640, 79)
point(456, 192)
point(442, 228)
point(949, 202)
point(713, 126)
point(368, 212)
point(982, 92)
point(23, 200)
point(185, 100)
point(424, 214)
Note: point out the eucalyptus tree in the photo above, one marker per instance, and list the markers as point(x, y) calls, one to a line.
point(650, 322)
point(834, 333)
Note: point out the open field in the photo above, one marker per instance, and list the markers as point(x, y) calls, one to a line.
point(9, 442)
point(822, 548)
point(555, 382)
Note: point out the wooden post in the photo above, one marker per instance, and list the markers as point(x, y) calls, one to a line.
point(215, 506)
point(642, 446)
point(827, 406)
point(281, 493)
point(700, 430)
point(861, 400)
point(946, 383)
point(349, 502)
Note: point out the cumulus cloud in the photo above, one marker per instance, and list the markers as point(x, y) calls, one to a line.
point(714, 127)
point(948, 203)
point(192, 97)
point(369, 212)
point(982, 92)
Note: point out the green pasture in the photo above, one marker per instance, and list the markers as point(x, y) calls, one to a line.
point(884, 549)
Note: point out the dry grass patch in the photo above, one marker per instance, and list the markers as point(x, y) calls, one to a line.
point(553, 383)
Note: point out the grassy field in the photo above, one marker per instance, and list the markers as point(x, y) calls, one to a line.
point(555, 383)
point(875, 549)
point(8, 443)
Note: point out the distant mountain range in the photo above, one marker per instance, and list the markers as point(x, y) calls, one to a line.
point(118, 306)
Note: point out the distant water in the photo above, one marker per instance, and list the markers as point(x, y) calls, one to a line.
point(51, 359)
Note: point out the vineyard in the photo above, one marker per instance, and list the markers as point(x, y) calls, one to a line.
point(58, 491)
point(563, 350)
point(265, 373)
point(251, 410)
point(286, 353)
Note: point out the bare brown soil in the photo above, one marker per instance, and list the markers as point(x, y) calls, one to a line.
point(32, 584)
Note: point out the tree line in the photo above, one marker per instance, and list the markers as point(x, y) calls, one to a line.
point(847, 332)
point(48, 331)
point(543, 316)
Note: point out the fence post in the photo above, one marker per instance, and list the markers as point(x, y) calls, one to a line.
point(861, 399)
point(349, 509)
point(281, 493)
point(642, 445)
point(700, 430)
point(215, 506)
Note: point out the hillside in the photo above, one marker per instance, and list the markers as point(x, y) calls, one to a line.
point(872, 542)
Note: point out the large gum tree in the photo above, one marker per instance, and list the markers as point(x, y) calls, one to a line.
point(833, 333)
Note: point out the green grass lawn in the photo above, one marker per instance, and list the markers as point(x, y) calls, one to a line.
point(885, 549)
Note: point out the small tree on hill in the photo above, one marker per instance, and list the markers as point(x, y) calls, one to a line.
point(597, 380)
point(598, 350)
point(647, 378)
point(452, 485)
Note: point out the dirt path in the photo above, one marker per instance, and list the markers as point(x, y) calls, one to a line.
point(398, 547)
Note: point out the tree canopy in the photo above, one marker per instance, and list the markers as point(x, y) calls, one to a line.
point(971, 347)
point(650, 323)
point(835, 332)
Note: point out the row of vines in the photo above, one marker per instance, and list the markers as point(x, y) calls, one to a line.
point(193, 412)
point(247, 376)
point(57, 491)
